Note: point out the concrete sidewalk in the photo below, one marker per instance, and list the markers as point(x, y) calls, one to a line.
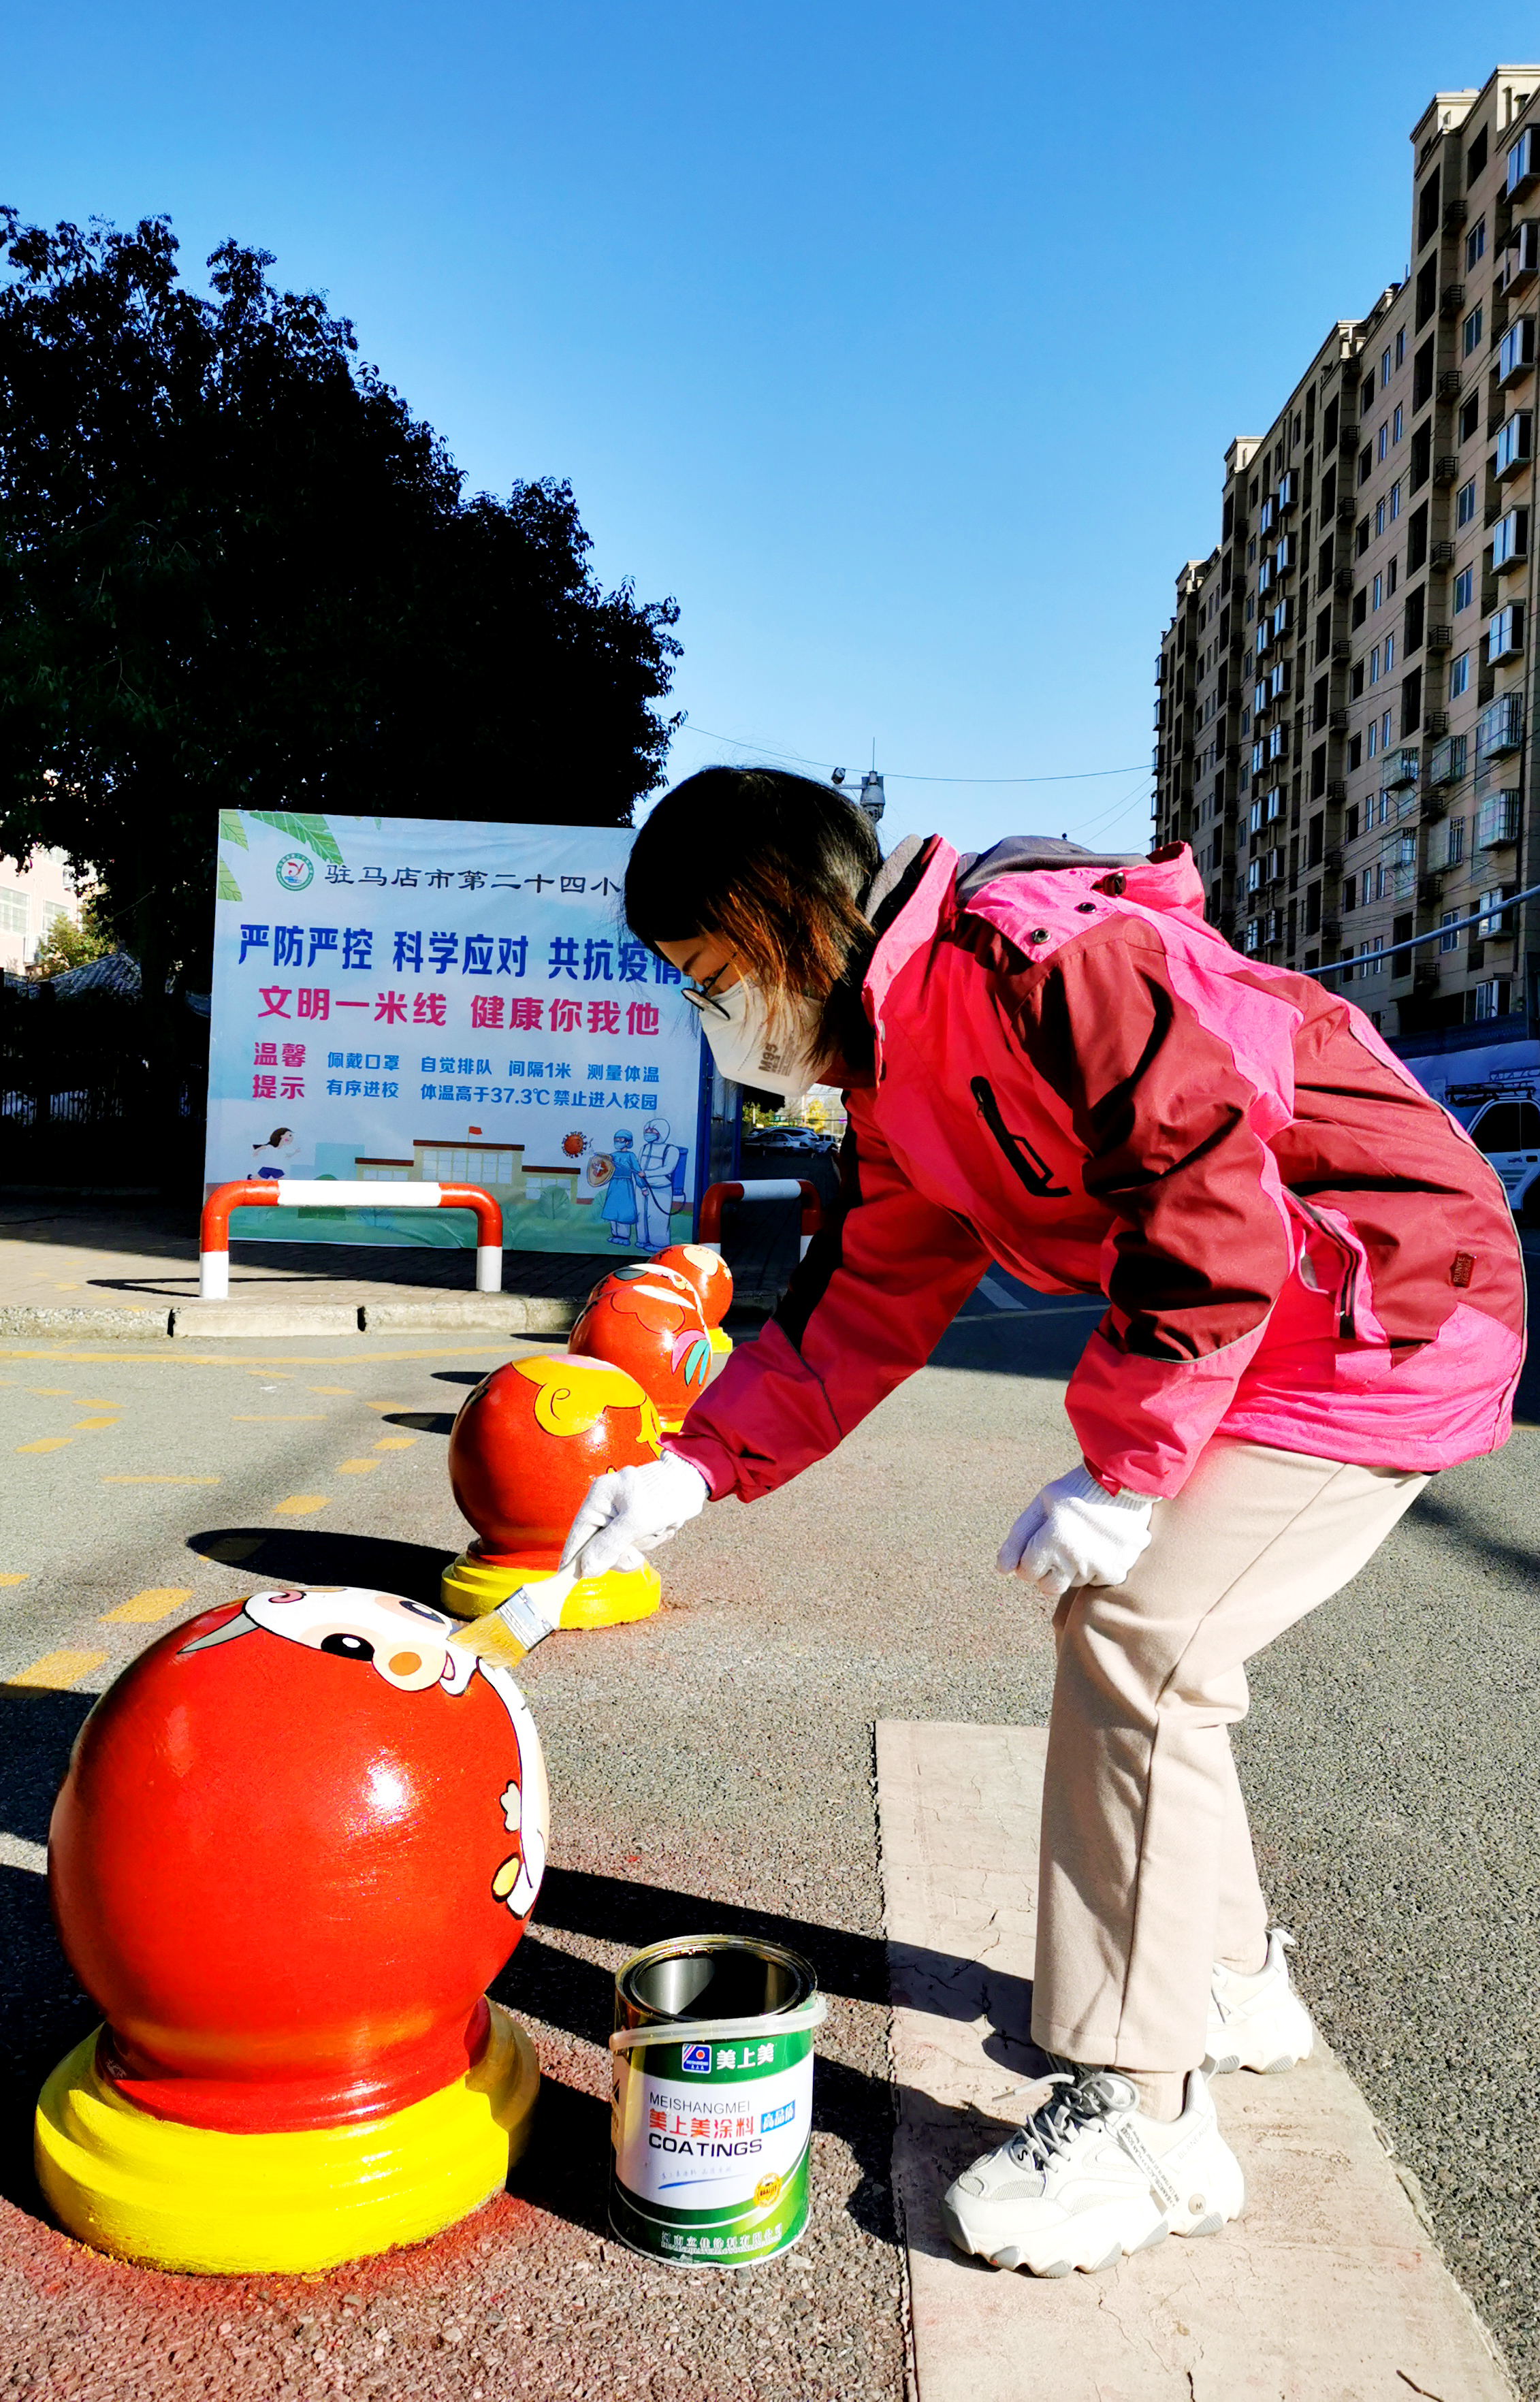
point(1329, 2287)
point(128, 1268)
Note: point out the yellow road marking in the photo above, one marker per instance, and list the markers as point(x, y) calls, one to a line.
point(279, 1375)
point(48, 1442)
point(356, 1467)
point(396, 1443)
point(58, 1670)
point(49, 1392)
point(83, 1426)
point(299, 1505)
point(160, 1480)
point(344, 1391)
point(96, 1402)
point(156, 1601)
point(13, 1576)
point(172, 1357)
point(278, 1417)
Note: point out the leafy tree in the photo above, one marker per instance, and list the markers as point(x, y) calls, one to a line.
point(236, 572)
point(71, 944)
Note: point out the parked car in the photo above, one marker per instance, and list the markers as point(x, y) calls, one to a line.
point(1508, 1131)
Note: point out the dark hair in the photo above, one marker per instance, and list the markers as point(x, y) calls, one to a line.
point(774, 864)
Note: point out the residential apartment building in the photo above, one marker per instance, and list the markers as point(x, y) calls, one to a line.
point(1345, 692)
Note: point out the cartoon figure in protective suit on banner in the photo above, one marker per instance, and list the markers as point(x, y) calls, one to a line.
point(660, 1185)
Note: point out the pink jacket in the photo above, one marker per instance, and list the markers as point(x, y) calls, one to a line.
point(1078, 1079)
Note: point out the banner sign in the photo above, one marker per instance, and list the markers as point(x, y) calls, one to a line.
point(401, 999)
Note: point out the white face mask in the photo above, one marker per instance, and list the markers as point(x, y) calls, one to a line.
point(749, 1050)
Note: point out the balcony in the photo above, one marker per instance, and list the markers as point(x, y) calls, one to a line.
point(1401, 770)
point(1497, 822)
point(1510, 542)
point(1267, 516)
point(1454, 215)
point(1500, 728)
point(1515, 450)
point(1337, 721)
point(1341, 652)
point(1516, 352)
point(1341, 583)
point(1445, 468)
point(1447, 760)
point(1520, 259)
point(1506, 634)
point(1451, 299)
point(1448, 383)
point(1442, 554)
point(1523, 164)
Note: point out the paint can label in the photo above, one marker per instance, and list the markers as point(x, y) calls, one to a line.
point(710, 2147)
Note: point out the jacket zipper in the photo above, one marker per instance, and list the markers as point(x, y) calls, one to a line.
point(1027, 1164)
point(1347, 1324)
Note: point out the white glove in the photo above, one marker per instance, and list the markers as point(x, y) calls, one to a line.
point(1075, 1532)
point(631, 1510)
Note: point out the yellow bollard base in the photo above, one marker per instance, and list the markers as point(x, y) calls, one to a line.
point(474, 1586)
point(720, 1345)
point(195, 2199)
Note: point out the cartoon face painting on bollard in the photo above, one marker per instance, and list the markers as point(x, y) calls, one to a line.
point(407, 1643)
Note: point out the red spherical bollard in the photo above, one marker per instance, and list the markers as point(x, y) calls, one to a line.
point(648, 1320)
point(707, 1271)
point(525, 1448)
point(297, 1839)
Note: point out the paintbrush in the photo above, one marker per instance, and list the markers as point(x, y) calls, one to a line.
point(504, 1634)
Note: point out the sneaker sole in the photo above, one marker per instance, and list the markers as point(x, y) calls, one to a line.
point(1090, 2254)
point(1272, 2048)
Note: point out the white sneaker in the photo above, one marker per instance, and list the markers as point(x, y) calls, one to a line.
point(1089, 2179)
point(1258, 2023)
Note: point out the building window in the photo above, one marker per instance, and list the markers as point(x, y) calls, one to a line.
point(1463, 585)
point(1383, 442)
point(1374, 664)
point(1395, 424)
point(1459, 675)
point(1390, 652)
point(1380, 518)
point(1379, 591)
point(1385, 735)
point(1470, 416)
point(1470, 332)
point(1454, 842)
point(1373, 736)
point(1464, 503)
point(1394, 502)
point(1401, 346)
point(1384, 367)
point(1476, 242)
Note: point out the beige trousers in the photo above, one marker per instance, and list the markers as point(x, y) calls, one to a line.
point(1146, 1870)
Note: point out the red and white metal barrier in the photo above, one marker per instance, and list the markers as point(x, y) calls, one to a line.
point(772, 1188)
point(297, 1192)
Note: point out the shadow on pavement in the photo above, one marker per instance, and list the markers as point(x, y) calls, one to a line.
point(294, 1555)
point(43, 2011)
point(421, 1421)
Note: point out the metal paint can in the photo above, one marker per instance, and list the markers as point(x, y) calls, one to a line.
point(712, 2100)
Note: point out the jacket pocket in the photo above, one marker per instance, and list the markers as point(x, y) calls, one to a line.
point(1023, 1160)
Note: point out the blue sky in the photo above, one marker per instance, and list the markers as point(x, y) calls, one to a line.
point(900, 343)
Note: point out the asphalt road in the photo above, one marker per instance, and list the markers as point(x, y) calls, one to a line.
point(712, 1768)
